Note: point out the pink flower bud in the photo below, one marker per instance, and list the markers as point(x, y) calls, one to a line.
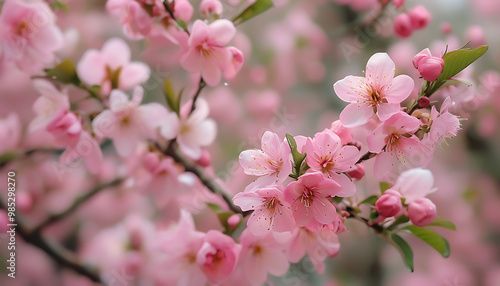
point(183, 10)
point(210, 7)
point(150, 161)
point(65, 127)
point(24, 202)
point(402, 26)
point(205, 159)
point(424, 102)
point(475, 35)
point(233, 221)
point(419, 17)
point(422, 211)
point(431, 68)
point(357, 172)
point(389, 204)
point(420, 57)
point(446, 28)
point(398, 3)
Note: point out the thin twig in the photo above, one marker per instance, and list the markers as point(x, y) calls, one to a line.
point(64, 257)
point(171, 13)
point(366, 156)
point(201, 85)
point(207, 180)
point(80, 200)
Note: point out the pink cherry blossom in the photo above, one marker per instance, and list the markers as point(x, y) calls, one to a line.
point(28, 34)
point(343, 133)
point(211, 7)
point(192, 131)
point(319, 243)
point(422, 211)
point(325, 154)
point(310, 199)
point(162, 174)
point(261, 255)
point(181, 246)
point(111, 68)
point(379, 92)
point(403, 26)
point(443, 124)
point(127, 122)
point(398, 147)
point(66, 128)
point(137, 23)
point(419, 17)
point(272, 163)
point(218, 256)
point(207, 52)
point(271, 211)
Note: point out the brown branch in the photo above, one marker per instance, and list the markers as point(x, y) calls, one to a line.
point(190, 166)
point(201, 85)
point(80, 200)
point(62, 256)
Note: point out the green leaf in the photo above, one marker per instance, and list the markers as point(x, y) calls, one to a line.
point(58, 5)
point(253, 10)
point(298, 158)
point(431, 238)
point(370, 200)
point(384, 186)
point(405, 250)
point(373, 215)
point(399, 220)
point(443, 223)
point(181, 24)
point(223, 216)
point(337, 200)
point(449, 82)
point(456, 61)
point(173, 101)
point(64, 72)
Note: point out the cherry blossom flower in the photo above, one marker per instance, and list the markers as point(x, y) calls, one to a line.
point(326, 154)
point(318, 242)
point(181, 246)
point(414, 184)
point(443, 124)
point(207, 52)
point(397, 146)
point(28, 34)
point(111, 68)
point(272, 163)
point(309, 198)
point(127, 122)
point(271, 211)
point(66, 128)
point(379, 92)
point(261, 255)
point(137, 23)
point(218, 256)
point(192, 131)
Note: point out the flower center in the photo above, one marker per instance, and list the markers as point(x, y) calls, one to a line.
point(307, 198)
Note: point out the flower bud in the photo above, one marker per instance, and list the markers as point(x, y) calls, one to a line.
point(210, 7)
point(183, 10)
point(398, 3)
point(357, 172)
point(420, 57)
point(424, 102)
point(65, 127)
point(419, 17)
point(402, 26)
point(389, 204)
point(431, 68)
point(446, 28)
point(233, 221)
point(422, 211)
point(205, 159)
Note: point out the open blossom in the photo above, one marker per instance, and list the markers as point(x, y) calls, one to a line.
point(414, 184)
point(218, 256)
point(379, 92)
point(271, 211)
point(310, 196)
point(207, 52)
point(137, 23)
point(127, 122)
point(272, 163)
point(28, 34)
point(111, 68)
point(180, 246)
point(318, 241)
point(397, 146)
point(443, 124)
point(192, 131)
point(326, 154)
point(261, 255)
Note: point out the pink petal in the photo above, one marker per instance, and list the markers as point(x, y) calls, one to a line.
point(346, 158)
point(399, 89)
point(283, 219)
point(133, 74)
point(351, 88)
point(302, 214)
point(170, 127)
point(199, 33)
point(327, 187)
point(380, 70)
point(254, 267)
point(191, 150)
point(202, 134)
point(259, 222)
point(254, 163)
point(276, 263)
point(116, 53)
point(324, 210)
point(386, 110)
point(415, 183)
point(247, 201)
point(347, 186)
point(296, 249)
point(271, 144)
point(376, 140)
point(210, 71)
point(153, 114)
point(221, 32)
point(92, 67)
point(386, 167)
point(125, 143)
point(90, 152)
point(191, 60)
point(356, 114)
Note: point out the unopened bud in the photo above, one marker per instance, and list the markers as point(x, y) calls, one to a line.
point(419, 17)
point(402, 26)
point(357, 172)
point(422, 211)
point(389, 204)
point(431, 68)
point(424, 102)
